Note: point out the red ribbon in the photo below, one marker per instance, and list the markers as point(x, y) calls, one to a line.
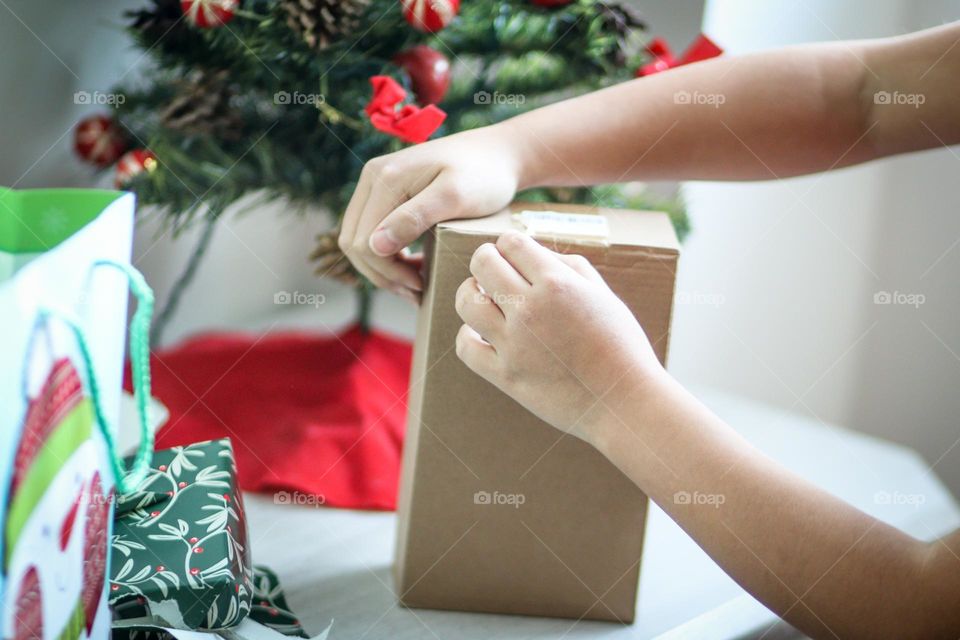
point(663, 59)
point(410, 123)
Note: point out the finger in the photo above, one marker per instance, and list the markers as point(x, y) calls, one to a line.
point(383, 197)
point(479, 356)
point(478, 311)
point(351, 216)
point(495, 275)
point(581, 265)
point(528, 257)
point(436, 202)
point(413, 297)
point(371, 275)
point(415, 260)
point(398, 272)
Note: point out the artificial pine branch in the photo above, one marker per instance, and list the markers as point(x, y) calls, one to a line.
point(312, 152)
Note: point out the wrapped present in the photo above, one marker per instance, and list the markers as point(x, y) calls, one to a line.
point(179, 546)
point(269, 609)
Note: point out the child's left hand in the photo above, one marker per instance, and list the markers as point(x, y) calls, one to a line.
point(545, 329)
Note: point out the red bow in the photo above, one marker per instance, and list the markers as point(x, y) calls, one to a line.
point(701, 49)
point(410, 123)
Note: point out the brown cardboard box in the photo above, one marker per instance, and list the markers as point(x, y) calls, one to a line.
point(498, 511)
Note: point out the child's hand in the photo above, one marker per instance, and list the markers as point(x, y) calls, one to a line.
point(401, 195)
point(546, 330)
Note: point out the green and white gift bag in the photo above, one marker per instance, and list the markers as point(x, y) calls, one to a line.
point(64, 273)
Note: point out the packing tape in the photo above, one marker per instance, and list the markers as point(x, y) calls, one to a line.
point(573, 227)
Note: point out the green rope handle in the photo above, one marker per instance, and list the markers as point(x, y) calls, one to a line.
point(127, 480)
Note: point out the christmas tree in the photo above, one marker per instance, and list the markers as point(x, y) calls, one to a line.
point(289, 98)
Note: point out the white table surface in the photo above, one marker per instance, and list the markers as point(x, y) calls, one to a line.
point(336, 563)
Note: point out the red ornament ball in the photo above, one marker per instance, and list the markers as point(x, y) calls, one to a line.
point(207, 14)
point(134, 163)
point(429, 72)
point(98, 140)
point(430, 15)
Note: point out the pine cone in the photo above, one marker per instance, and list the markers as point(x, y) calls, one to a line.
point(622, 19)
point(202, 107)
point(331, 262)
point(322, 22)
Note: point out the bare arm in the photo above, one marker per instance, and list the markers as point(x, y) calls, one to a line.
point(787, 112)
point(774, 114)
point(826, 567)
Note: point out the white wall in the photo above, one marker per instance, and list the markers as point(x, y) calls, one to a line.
point(782, 275)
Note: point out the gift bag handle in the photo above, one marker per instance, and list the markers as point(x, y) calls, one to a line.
point(127, 480)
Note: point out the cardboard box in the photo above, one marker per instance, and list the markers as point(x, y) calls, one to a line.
point(498, 511)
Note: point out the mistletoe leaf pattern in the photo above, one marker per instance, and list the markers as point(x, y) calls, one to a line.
point(269, 608)
point(142, 574)
point(124, 570)
point(270, 605)
point(161, 585)
point(184, 538)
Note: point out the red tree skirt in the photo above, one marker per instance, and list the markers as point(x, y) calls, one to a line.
point(319, 415)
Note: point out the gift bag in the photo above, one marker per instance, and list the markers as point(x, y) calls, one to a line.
point(64, 268)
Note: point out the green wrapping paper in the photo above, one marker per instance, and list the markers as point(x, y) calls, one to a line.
point(270, 606)
point(179, 545)
point(269, 609)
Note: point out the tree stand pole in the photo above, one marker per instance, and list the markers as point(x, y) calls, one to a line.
point(364, 306)
point(183, 281)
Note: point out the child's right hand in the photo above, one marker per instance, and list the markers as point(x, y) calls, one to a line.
point(401, 195)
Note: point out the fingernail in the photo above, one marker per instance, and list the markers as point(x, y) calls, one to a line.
point(383, 242)
point(406, 294)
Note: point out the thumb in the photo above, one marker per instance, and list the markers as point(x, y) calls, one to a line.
point(438, 201)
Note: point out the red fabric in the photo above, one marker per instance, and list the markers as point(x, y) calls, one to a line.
point(411, 123)
point(702, 48)
point(322, 415)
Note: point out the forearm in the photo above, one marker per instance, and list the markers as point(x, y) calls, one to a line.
point(823, 565)
point(760, 116)
point(768, 115)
